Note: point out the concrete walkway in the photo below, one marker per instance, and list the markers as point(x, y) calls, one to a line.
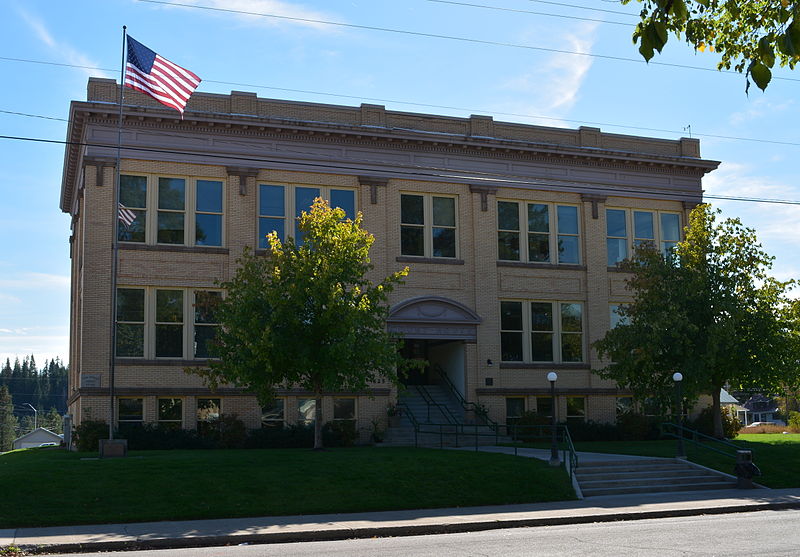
point(195, 533)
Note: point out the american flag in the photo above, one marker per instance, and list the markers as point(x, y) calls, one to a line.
point(153, 75)
point(126, 216)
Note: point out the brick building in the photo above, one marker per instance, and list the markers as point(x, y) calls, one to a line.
point(512, 233)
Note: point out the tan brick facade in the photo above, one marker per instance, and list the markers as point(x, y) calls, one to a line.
point(244, 142)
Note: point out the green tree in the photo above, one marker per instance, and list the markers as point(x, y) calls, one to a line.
point(52, 420)
point(710, 311)
point(305, 315)
point(8, 422)
point(749, 36)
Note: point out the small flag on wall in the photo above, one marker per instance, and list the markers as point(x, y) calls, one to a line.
point(126, 216)
point(168, 83)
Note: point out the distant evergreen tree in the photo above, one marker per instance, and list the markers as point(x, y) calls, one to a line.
point(8, 422)
point(52, 420)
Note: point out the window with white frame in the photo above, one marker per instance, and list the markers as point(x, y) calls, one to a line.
point(160, 323)
point(541, 331)
point(208, 412)
point(576, 409)
point(306, 411)
point(615, 317)
point(538, 232)
point(428, 225)
point(628, 228)
point(344, 408)
point(273, 415)
point(185, 211)
point(276, 202)
point(170, 413)
point(130, 412)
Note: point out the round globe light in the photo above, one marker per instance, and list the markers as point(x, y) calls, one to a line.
point(677, 376)
point(552, 376)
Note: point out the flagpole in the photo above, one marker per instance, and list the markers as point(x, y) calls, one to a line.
point(115, 245)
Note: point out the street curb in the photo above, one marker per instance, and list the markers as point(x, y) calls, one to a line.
point(393, 531)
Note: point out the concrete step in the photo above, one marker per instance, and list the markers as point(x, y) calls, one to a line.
point(676, 473)
point(652, 482)
point(590, 492)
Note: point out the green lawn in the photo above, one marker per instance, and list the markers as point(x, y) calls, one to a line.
point(45, 487)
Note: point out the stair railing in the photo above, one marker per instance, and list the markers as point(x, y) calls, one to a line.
point(476, 409)
point(443, 409)
point(701, 440)
point(415, 424)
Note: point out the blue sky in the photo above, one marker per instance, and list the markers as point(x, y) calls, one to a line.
point(303, 60)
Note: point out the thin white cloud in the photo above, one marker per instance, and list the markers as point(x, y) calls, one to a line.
point(34, 281)
point(759, 108)
point(553, 87)
point(45, 343)
point(273, 7)
point(64, 51)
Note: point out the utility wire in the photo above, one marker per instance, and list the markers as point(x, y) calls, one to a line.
point(448, 37)
point(444, 173)
point(513, 10)
point(574, 6)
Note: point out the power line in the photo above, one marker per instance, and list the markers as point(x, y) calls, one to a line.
point(442, 173)
point(513, 10)
point(447, 37)
point(565, 5)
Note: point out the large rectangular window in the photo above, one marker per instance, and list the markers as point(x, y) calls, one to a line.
point(133, 197)
point(627, 229)
point(306, 411)
point(188, 211)
point(274, 414)
point(130, 413)
point(344, 408)
point(170, 413)
point(428, 225)
point(276, 201)
point(576, 409)
point(541, 331)
point(208, 413)
point(551, 233)
point(515, 408)
point(130, 322)
point(165, 323)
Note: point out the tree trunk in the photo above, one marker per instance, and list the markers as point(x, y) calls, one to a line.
point(716, 411)
point(318, 423)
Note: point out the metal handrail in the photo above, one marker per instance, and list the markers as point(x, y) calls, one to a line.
point(443, 409)
point(569, 455)
point(470, 406)
point(695, 435)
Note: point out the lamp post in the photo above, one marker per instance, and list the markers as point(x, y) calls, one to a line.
point(35, 415)
point(554, 461)
point(678, 378)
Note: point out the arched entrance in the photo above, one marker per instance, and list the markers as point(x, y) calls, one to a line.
point(435, 329)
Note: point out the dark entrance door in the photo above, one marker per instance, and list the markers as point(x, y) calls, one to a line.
point(416, 349)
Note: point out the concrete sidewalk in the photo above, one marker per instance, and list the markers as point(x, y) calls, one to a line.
point(196, 533)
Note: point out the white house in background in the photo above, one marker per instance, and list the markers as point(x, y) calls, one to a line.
point(36, 438)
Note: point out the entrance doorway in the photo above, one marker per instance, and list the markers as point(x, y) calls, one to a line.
point(444, 362)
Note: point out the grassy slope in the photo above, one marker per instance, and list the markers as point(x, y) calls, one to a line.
point(53, 487)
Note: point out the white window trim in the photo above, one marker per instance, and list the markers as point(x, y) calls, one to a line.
point(149, 344)
point(552, 234)
point(117, 407)
point(355, 409)
point(630, 238)
point(290, 206)
point(428, 226)
point(557, 331)
point(183, 410)
point(189, 212)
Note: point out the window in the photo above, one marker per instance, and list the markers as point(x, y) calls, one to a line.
point(344, 409)
point(273, 415)
point(158, 323)
point(130, 322)
point(544, 406)
point(306, 411)
point(615, 317)
point(130, 413)
point(576, 409)
point(170, 413)
point(427, 226)
point(208, 411)
point(551, 234)
point(624, 405)
point(541, 331)
point(628, 228)
point(515, 408)
point(133, 195)
point(188, 211)
point(275, 202)
point(205, 321)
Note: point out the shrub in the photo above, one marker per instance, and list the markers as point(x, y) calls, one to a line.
point(638, 427)
point(226, 432)
point(704, 423)
point(339, 433)
point(88, 435)
point(153, 437)
point(290, 437)
point(594, 431)
point(794, 421)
